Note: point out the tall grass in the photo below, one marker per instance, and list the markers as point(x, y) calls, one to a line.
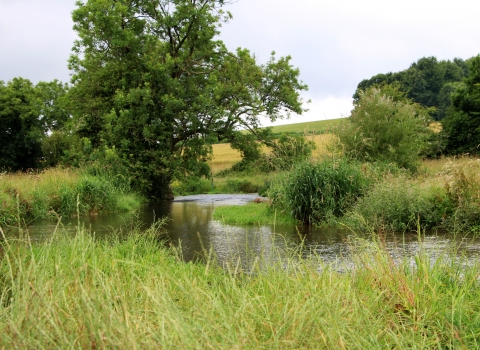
point(32, 196)
point(79, 292)
point(399, 203)
point(449, 200)
point(314, 193)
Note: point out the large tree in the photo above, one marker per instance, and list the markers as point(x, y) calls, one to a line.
point(462, 123)
point(21, 128)
point(152, 80)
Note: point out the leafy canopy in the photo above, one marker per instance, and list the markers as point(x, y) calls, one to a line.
point(153, 82)
point(27, 113)
point(427, 82)
point(462, 123)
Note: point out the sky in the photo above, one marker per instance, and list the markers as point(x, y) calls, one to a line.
point(335, 43)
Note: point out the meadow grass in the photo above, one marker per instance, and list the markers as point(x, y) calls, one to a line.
point(251, 214)
point(133, 292)
point(55, 191)
point(312, 127)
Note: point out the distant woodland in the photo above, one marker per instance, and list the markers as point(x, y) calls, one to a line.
point(428, 81)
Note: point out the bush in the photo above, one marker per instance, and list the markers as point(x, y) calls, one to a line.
point(241, 186)
point(386, 127)
point(191, 185)
point(313, 193)
point(400, 204)
point(286, 152)
point(462, 183)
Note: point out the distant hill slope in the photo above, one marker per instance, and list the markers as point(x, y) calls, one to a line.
point(317, 127)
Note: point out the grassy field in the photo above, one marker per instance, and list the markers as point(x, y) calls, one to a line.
point(251, 214)
point(319, 126)
point(224, 156)
point(78, 292)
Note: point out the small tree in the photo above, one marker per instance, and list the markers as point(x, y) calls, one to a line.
point(385, 126)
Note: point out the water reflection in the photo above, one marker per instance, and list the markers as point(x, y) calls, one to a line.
point(190, 226)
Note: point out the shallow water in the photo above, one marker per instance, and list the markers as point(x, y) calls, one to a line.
point(191, 227)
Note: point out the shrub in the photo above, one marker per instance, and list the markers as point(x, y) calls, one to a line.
point(318, 192)
point(399, 204)
point(191, 185)
point(385, 126)
point(241, 186)
point(462, 183)
point(95, 195)
point(286, 152)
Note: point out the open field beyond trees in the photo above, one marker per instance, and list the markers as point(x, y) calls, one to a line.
point(224, 156)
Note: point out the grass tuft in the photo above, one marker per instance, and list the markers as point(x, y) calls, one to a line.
point(251, 214)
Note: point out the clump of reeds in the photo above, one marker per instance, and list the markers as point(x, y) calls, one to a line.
point(80, 292)
point(314, 193)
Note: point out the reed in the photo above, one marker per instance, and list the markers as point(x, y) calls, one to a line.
point(316, 193)
point(80, 292)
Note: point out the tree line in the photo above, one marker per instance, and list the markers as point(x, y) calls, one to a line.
point(449, 90)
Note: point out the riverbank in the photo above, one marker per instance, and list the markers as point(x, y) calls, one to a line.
point(78, 292)
point(443, 195)
point(54, 192)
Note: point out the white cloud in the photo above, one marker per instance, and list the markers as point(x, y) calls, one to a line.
point(35, 39)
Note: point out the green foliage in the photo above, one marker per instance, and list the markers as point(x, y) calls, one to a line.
point(315, 193)
point(249, 148)
point(20, 125)
point(385, 128)
point(191, 185)
point(27, 113)
point(427, 82)
point(153, 81)
point(240, 186)
point(55, 109)
point(287, 151)
point(462, 183)
point(462, 123)
point(399, 204)
point(33, 196)
point(54, 148)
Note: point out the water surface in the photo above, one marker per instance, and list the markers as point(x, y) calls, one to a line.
point(190, 226)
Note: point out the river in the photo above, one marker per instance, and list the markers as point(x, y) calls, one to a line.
point(190, 227)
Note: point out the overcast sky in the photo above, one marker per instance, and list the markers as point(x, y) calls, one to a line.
point(335, 44)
